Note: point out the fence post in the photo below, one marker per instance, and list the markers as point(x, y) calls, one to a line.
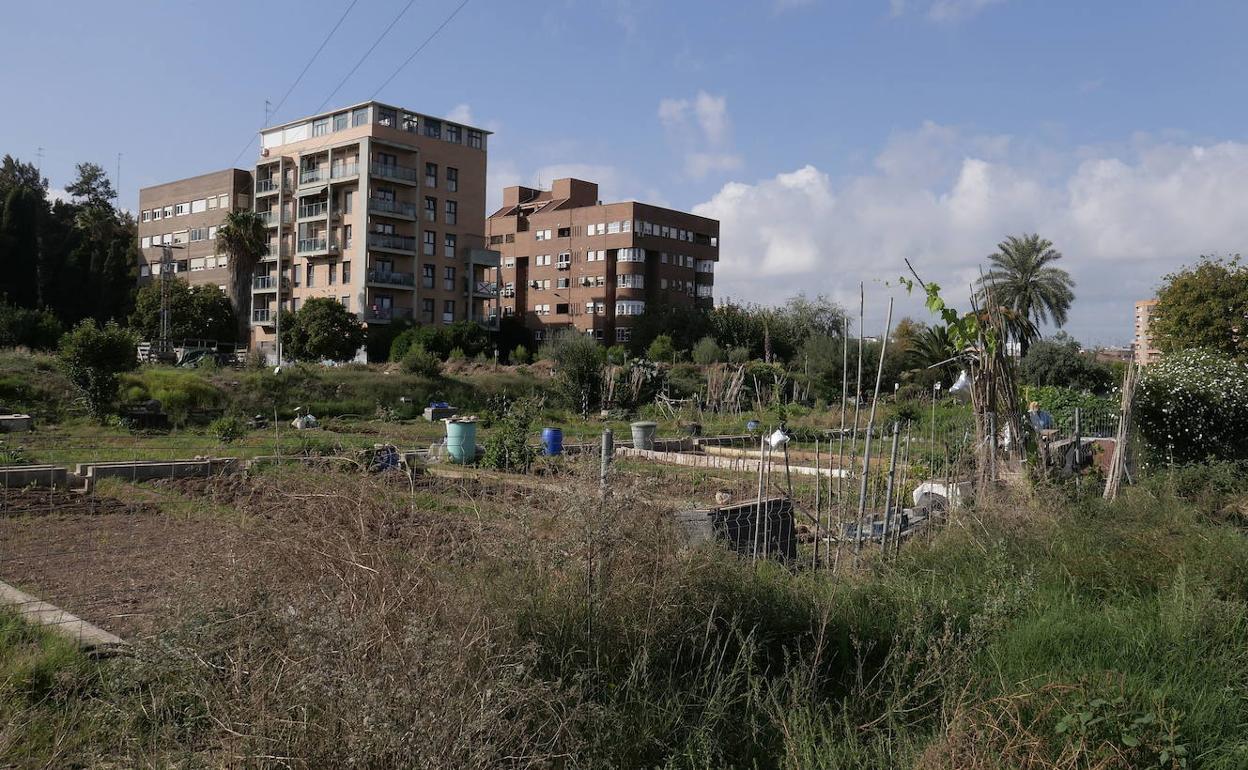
point(1078, 445)
point(608, 448)
point(991, 417)
point(888, 490)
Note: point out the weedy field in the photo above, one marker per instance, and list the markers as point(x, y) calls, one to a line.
point(307, 617)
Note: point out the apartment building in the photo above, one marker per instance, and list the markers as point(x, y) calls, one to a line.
point(379, 208)
point(570, 261)
point(1145, 351)
point(185, 215)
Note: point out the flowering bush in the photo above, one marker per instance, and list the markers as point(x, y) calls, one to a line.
point(1193, 405)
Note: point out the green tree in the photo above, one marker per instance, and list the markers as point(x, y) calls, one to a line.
point(707, 351)
point(684, 326)
point(1205, 306)
point(322, 330)
point(19, 245)
point(244, 238)
point(93, 358)
point(1057, 362)
point(196, 312)
point(92, 186)
point(578, 369)
point(1022, 277)
point(661, 349)
point(35, 329)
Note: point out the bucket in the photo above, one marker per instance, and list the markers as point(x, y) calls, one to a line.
point(552, 441)
point(461, 441)
point(643, 435)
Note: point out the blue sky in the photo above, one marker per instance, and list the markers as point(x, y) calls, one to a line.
point(833, 139)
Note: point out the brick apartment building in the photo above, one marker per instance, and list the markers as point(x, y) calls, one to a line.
point(185, 215)
point(1145, 351)
point(570, 261)
point(374, 206)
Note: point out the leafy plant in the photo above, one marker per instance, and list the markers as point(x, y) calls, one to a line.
point(1193, 405)
point(507, 445)
point(94, 358)
point(417, 360)
point(227, 429)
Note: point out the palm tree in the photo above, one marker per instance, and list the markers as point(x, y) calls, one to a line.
point(244, 238)
point(1022, 279)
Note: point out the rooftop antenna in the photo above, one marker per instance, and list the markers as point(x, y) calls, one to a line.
point(268, 111)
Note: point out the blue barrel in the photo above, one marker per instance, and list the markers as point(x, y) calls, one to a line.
point(461, 441)
point(552, 441)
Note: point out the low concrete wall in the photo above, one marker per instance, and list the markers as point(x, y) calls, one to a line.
point(33, 475)
point(147, 470)
point(87, 636)
point(743, 464)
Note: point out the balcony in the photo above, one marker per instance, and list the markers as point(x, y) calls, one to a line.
point(405, 243)
point(265, 283)
point(312, 176)
point(270, 218)
point(489, 321)
point(313, 246)
point(345, 171)
point(386, 314)
point(313, 210)
point(392, 208)
point(395, 172)
point(391, 278)
point(487, 289)
point(263, 317)
point(267, 186)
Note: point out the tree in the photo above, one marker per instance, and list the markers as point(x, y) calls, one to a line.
point(1023, 279)
point(1205, 306)
point(92, 186)
point(707, 352)
point(1057, 362)
point(35, 329)
point(19, 245)
point(322, 330)
point(578, 369)
point(684, 326)
point(1193, 405)
point(93, 357)
point(244, 238)
point(196, 312)
point(14, 173)
point(661, 349)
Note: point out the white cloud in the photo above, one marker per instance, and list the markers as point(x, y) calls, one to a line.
point(461, 113)
point(940, 10)
point(701, 129)
point(944, 199)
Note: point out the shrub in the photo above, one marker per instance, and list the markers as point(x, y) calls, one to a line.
point(707, 351)
point(578, 370)
point(617, 354)
point(739, 355)
point(34, 329)
point(520, 355)
point(321, 330)
point(1193, 405)
point(419, 361)
point(179, 392)
point(661, 349)
point(93, 358)
point(457, 354)
point(1058, 363)
point(227, 429)
point(507, 445)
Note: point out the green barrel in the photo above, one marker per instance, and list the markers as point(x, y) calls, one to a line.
point(461, 442)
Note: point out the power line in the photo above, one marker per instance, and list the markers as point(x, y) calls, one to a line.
point(420, 48)
point(304, 71)
point(367, 53)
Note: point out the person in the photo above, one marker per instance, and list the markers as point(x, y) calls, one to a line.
point(1040, 419)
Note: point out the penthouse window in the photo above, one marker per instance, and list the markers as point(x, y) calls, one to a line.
point(475, 139)
point(454, 134)
point(341, 121)
point(433, 128)
point(359, 117)
point(409, 123)
point(320, 127)
point(387, 117)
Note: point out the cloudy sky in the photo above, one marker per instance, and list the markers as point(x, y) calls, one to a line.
point(832, 138)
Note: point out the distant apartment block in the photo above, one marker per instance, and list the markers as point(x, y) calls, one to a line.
point(379, 208)
point(1145, 351)
point(570, 261)
point(185, 215)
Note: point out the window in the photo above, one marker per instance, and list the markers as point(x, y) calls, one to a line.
point(630, 307)
point(475, 139)
point(630, 281)
point(565, 260)
point(147, 241)
point(168, 211)
point(431, 175)
point(345, 301)
point(346, 273)
point(427, 276)
point(333, 273)
point(387, 159)
point(623, 334)
point(426, 311)
point(320, 127)
point(431, 243)
point(561, 308)
point(562, 283)
point(595, 256)
point(310, 279)
point(448, 311)
point(452, 179)
point(212, 232)
point(166, 239)
point(509, 289)
point(542, 260)
point(452, 213)
point(199, 206)
point(448, 279)
point(431, 209)
point(433, 128)
point(212, 203)
point(341, 120)
point(223, 201)
point(346, 236)
point(613, 227)
point(541, 235)
point(454, 134)
point(662, 283)
point(181, 209)
point(199, 234)
point(565, 232)
point(705, 266)
point(144, 270)
point(157, 214)
point(359, 117)
point(147, 215)
point(387, 117)
point(449, 242)
point(385, 228)
point(348, 201)
point(410, 122)
point(197, 264)
point(509, 261)
point(179, 236)
point(630, 255)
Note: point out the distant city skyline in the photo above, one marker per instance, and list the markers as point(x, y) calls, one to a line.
point(832, 140)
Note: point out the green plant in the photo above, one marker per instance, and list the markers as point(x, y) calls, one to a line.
point(661, 349)
point(93, 359)
point(507, 445)
point(707, 351)
point(617, 354)
point(739, 355)
point(417, 360)
point(578, 370)
point(1193, 405)
point(520, 355)
point(321, 330)
point(457, 355)
point(227, 429)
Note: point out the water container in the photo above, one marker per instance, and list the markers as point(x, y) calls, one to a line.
point(552, 441)
point(461, 441)
point(643, 435)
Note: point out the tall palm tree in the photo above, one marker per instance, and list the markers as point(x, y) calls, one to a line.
point(1022, 278)
point(244, 238)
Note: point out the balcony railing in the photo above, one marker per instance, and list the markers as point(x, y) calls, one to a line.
point(313, 210)
point(387, 313)
point(388, 241)
point(390, 277)
point(392, 171)
point(392, 207)
point(267, 185)
point(345, 170)
point(485, 289)
point(261, 316)
point(311, 245)
point(312, 175)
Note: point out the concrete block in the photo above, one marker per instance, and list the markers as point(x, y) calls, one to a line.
point(16, 423)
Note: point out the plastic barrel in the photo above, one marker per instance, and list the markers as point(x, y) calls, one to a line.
point(461, 441)
point(643, 435)
point(552, 441)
